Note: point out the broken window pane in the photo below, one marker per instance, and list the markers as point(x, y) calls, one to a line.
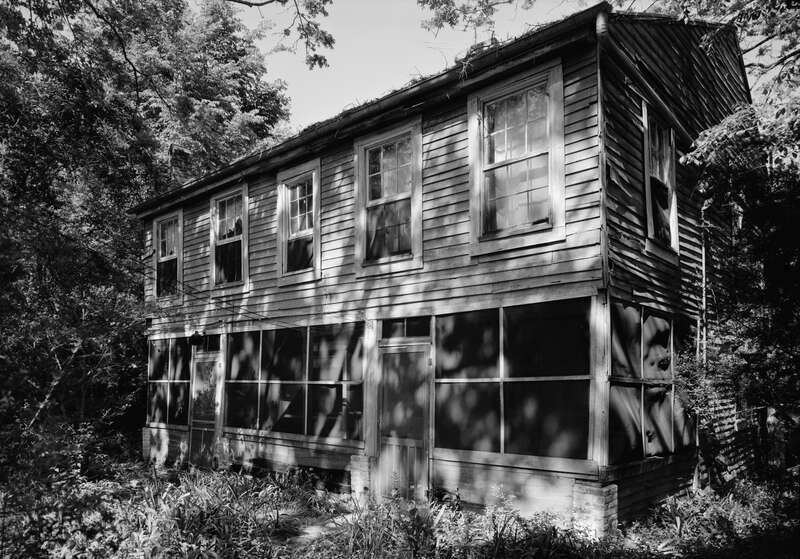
point(228, 262)
point(468, 416)
point(283, 407)
point(625, 425)
point(283, 356)
point(657, 420)
point(241, 405)
point(626, 340)
point(656, 347)
point(468, 345)
point(661, 160)
point(547, 339)
point(159, 359)
point(549, 418)
point(243, 356)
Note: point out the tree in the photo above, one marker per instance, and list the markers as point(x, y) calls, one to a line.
point(103, 104)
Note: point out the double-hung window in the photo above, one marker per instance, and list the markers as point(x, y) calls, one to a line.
point(229, 238)
point(517, 161)
point(298, 223)
point(389, 198)
point(167, 233)
point(660, 194)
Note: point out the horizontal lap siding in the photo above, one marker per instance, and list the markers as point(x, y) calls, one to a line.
point(451, 278)
point(701, 88)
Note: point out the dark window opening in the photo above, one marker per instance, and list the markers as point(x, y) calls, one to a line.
point(412, 327)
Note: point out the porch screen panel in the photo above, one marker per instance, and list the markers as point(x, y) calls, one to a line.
point(168, 381)
point(625, 423)
point(626, 341)
point(525, 392)
point(241, 380)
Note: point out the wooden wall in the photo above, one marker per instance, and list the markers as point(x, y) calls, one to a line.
point(451, 278)
point(701, 86)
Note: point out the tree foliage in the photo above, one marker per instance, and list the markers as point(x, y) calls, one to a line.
point(101, 105)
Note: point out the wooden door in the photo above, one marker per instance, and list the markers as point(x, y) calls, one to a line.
point(403, 459)
point(202, 440)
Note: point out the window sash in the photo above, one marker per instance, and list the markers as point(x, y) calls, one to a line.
point(172, 240)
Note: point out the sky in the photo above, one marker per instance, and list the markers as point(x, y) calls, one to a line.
point(380, 46)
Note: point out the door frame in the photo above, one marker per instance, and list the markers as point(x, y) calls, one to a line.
point(407, 345)
point(201, 356)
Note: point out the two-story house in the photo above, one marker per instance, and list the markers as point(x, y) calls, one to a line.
point(481, 279)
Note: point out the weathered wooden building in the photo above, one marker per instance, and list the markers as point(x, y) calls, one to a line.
point(481, 279)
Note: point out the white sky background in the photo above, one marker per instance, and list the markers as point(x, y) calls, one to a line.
point(380, 46)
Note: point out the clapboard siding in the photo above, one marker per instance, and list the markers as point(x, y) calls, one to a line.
point(701, 86)
point(451, 277)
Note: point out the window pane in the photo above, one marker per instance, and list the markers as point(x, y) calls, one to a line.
point(211, 342)
point(657, 420)
point(178, 403)
point(167, 277)
point(468, 345)
point(228, 262)
point(625, 425)
point(283, 356)
point(418, 326)
point(548, 339)
point(660, 203)
point(181, 359)
point(241, 404)
point(157, 402)
point(389, 229)
point(336, 352)
point(167, 236)
point(159, 359)
point(468, 416)
point(517, 194)
point(242, 356)
point(626, 340)
point(355, 411)
point(547, 418)
point(325, 417)
point(283, 407)
point(656, 350)
point(300, 254)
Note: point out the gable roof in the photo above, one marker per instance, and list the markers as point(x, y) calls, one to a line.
point(482, 63)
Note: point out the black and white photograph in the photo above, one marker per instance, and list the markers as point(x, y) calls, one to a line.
point(426, 279)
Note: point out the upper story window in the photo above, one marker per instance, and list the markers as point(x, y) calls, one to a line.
point(389, 185)
point(517, 170)
point(168, 247)
point(229, 238)
point(661, 198)
point(298, 223)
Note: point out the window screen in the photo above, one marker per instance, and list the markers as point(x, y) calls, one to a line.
point(168, 381)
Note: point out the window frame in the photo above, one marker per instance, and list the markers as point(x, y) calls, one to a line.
point(178, 295)
point(394, 263)
point(642, 383)
point(167, 381)
point(285, 180)
point(653, 245)
point(306, 383)
point(481, 243)
point(244, 283)
point(502, 457)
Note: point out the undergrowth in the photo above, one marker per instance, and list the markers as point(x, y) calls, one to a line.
point(62, 496)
